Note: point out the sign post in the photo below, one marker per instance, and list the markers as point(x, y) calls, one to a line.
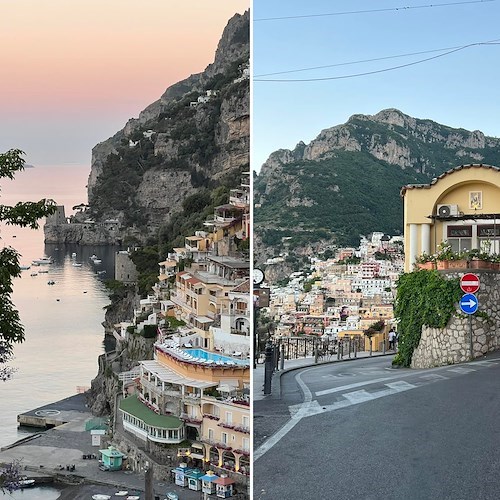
point(469, 283)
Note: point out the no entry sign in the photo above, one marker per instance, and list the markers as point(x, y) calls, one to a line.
point(469, 283)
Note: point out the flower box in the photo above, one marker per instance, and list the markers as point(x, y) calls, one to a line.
point(458, 264)
point(426, 265)
point(480, 264)
point(442, 264)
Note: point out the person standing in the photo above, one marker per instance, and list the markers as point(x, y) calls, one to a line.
point(392, 339)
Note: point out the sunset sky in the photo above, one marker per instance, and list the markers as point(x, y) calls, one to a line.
point(74, 72)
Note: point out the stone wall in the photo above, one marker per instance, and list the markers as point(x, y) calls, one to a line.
point(451, 345)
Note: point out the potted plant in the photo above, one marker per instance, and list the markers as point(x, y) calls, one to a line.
point(444, 254)
point(425, 261)
point(479, 259)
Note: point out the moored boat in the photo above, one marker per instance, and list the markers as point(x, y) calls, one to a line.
point(26, 483)
point(43, 260)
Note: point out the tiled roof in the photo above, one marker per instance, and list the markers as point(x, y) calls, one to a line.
point(444, 174)
point(134, 407)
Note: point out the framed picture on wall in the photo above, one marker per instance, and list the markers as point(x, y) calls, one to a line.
point(475, 200)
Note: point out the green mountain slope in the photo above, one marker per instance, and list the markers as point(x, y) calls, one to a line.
point(347, 181)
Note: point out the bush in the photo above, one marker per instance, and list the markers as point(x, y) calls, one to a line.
point(423, 298)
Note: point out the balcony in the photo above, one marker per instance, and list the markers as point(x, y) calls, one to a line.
point(192, 399)
point(190, 419)
point(236, 331)
point(241, 312)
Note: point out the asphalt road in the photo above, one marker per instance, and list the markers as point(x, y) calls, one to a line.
point(362, 430)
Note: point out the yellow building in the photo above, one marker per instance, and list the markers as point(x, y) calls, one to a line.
point(461, 206)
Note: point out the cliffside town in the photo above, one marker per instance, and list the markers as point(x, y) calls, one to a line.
point(342, 295)
point(177, 384)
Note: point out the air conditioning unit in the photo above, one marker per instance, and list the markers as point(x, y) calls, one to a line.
point(447, 210)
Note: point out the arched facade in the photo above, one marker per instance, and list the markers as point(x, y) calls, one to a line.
point(461, 206)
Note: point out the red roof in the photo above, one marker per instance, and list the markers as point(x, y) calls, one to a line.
point(224, 481)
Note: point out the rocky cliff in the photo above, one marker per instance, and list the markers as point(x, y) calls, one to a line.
point(346, 181)
point(193, 138)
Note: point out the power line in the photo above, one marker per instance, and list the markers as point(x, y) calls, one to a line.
point(349, 63)
point(391, 9)
point(366, 73)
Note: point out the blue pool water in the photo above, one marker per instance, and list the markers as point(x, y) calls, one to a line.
point(211, 356)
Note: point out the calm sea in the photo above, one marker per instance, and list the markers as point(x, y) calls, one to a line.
point(62, 322)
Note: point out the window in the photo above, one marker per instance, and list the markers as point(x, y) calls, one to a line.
point(210, 434)
point(488, 237)
point(246, 444)
point(459, 237)
point(229, 417)
point(223, 437)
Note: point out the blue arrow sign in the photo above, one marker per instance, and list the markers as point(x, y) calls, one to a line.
point(469, 303)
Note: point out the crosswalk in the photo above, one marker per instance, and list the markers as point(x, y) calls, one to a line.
point(368, 390)
point(363, 392)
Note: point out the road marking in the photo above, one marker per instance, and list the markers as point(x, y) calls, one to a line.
point(361, 384)
point(461, 370)
point(483, 363)
point(434, 376)
point(310, 408)
point(373, 395)
point(401, 386)
point(358, 396)
point(295, 419)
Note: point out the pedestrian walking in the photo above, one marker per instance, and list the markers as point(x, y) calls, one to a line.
point(392, 339)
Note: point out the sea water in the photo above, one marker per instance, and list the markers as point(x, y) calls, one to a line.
point(62, 322)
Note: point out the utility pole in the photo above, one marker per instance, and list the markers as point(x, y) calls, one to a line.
point(148, 482)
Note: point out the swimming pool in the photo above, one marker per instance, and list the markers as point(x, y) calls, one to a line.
point(212, 356)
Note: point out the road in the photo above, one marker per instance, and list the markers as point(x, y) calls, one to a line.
point(363, 430)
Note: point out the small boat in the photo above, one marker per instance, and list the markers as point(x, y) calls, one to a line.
point(101, 272)
point(77, 264)
point(26, 483)
point(73, 254)
point(43, 271)
point(98, 496)
point(34, 274)
point(96, 261)
point(121, 493)
point(50, 282)
point(43, 260)
point(24, 268)
point(93, 256)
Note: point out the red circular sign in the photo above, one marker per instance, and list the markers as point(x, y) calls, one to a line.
point(469, 283)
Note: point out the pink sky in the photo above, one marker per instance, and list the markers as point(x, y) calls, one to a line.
point(76, 71)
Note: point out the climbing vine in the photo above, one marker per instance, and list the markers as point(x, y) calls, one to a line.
point(423, 298)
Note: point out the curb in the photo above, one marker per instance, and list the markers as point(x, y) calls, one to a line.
point(276, 382)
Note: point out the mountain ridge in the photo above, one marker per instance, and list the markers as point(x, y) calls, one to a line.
point(347, 180)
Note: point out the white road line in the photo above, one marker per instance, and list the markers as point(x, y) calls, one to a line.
point(483, 363)
point(374, 395)
point(433, 376)
point(461, 370)
point(358, 396)
point(361, 384)
point(297, 416)
point(400, 386)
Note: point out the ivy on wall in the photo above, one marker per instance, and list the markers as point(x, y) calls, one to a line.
point(423, 298)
